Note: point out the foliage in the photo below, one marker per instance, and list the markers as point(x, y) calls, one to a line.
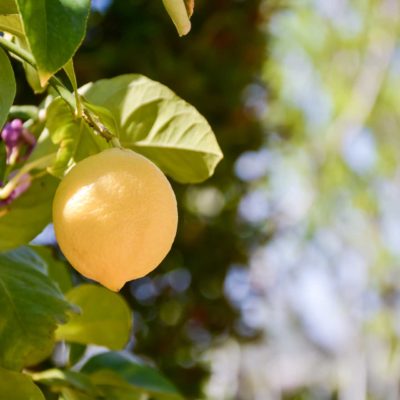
point(42, 307)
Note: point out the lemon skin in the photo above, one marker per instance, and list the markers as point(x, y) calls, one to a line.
point(115, 217)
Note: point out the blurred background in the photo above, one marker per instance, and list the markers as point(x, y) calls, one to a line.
point(284, 280)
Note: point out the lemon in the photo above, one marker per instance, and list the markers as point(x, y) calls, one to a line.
point(115, 217)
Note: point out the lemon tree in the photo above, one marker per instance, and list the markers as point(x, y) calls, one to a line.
point(96, 161)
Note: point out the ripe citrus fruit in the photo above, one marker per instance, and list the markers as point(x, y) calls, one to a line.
point(115, 217)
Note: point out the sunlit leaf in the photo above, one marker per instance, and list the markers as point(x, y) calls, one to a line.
point(179, 14)
point(17, 386)
point(54, 30)
point(12, 24)
point(105, 318)
point(74, 138)
point(155, 122)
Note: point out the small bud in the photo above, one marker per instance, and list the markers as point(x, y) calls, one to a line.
point(18, 140)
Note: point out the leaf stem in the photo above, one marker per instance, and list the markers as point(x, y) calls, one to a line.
point(18, 51)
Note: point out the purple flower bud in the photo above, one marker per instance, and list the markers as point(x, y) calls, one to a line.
point(23, 186)
point(16, 124)
point(18, 140)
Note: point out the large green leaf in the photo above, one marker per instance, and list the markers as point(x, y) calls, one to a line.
point(137, 375)
point(155, 122)
point(8, 7)
point(178, 12)
point(55, 30)
point(105, 318)
point(17, 386)
point(74, 138)
point(31, 308)
point(7, 86)
point(27, 216)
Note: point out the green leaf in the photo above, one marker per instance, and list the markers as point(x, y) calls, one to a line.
point(70, 71)
point(70, 394)
point(155, 122)
point(114, 387)
point(57, 379)
point(54, 29)
point(12, 23)
point(32, 75)
point(32, 211)
point(17, 386)
point(7, 86)
point(8, 7)
point(179, 14)
point(137, 375)
point(74, 138)
point(24, 112)
point(76, 352)
point(31, 307)
point(57, 270)
point(105, 319)
point(44, 145)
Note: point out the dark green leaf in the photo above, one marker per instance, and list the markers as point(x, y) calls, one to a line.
point(105, 318)
point(155, 122)
point(17, 386)
point(7, 86)
point(31, 305)
point(138, 375)
point(76, 352)
point(32, 211)
point(55, 30)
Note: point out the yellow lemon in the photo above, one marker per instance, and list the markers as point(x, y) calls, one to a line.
point(115, 217)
